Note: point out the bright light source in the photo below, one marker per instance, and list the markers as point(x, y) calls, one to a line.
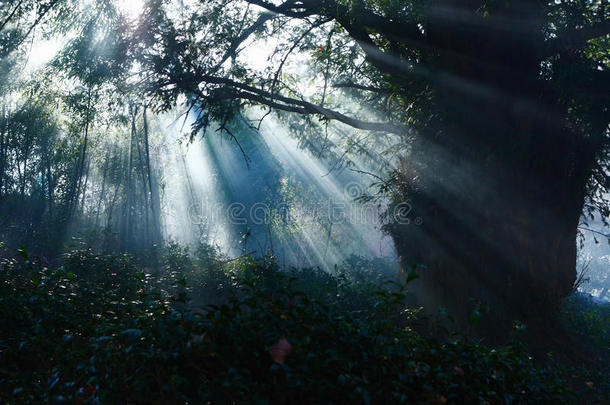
point(42, 52)
point(132, 8)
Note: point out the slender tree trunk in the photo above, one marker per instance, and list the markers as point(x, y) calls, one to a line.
point(85, 183)
point(3, 135)
point(103, 190)
point(128, 212)
point(74, 194)
point(47, 183)
point(19, 174)
point(330, 230)
point(145, 197)
point(23, 180)
point(110, 211)
point(152, 186)
point(81, 164)
point(191, 192)
point(50, 188)
point(26, 158)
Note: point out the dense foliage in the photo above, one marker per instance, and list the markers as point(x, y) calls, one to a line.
point(481, 127)
point(98, 328)
point(484, 116)
point(495, 107)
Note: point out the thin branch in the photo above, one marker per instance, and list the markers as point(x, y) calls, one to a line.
point(352, 85)
point(357, 26)
point(262, 19)
point(223, 127)
point(606, 235)
point(368, 174)
point(260, 121)
point(11, 15)
point(327, 70)
point(294, 46)
point(36, 22)
point(284, 59)
point(367, 19)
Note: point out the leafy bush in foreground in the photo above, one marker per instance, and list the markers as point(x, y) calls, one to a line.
point(99, 330)
point(588, 323)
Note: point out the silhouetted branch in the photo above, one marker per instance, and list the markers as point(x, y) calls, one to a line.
point(290, 8)
point(576, 38)
point(358, 23)
point(352, 85)
point(224, 128)
point(238, 90)
point(606, 235)
point(11, 15)
point(262, 19)
point(304, 107)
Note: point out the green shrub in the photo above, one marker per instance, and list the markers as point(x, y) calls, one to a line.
point(588, 321)
point(101, 330)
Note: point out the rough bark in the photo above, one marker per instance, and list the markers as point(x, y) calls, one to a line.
point(500, 197)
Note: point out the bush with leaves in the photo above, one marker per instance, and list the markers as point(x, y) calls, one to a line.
point(100, 330)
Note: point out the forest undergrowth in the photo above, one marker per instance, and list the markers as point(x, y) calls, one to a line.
point(196, 327)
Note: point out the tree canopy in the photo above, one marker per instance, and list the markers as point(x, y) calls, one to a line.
point(488, 118)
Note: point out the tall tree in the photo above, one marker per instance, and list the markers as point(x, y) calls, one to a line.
point(155, 205)
point(128, 210)
point(3, 135)
point(501, 109)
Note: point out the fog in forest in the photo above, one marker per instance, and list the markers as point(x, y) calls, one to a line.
point(304, 201)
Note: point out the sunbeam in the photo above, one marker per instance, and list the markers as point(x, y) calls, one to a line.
point(304, 201)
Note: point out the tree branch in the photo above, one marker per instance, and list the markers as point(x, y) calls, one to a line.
point(303, 107)
point(352, 85)
point(11, 15)
point(606, 235)
point(294, 45)
point(357, 24)
point(237, 90)
point(576, 38)
point(262, 19)
point(42, 14)
point(400, 31)
point(290, 7)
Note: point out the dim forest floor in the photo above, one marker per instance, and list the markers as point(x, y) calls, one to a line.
point(94, 328)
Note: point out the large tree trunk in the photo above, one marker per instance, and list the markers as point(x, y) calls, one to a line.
point(508, 250)
point(499, 183)
point(499, 199)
